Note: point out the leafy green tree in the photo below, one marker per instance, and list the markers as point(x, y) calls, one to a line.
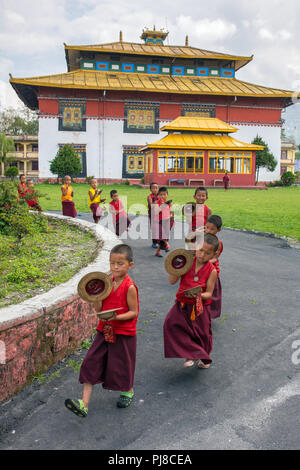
point(264, 158)
point(288, 178)
point(11, 172)
point(6, 146)
point(66, 162)
point(19, 122)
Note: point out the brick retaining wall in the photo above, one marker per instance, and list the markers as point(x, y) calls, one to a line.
point(42, 330)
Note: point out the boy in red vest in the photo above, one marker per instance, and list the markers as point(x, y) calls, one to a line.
point(120, 219)
point(163, 221)
point(111, 358)
point(199, 219)
point(213, 226)
point(151, 199)
point(187, 327)
point(22, 186)
point(31, 197)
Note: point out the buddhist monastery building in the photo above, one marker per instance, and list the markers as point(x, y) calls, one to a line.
point(198, 151)
point(115, 97)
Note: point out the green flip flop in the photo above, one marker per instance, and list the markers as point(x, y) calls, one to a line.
point(77, 407)
point(125, 399)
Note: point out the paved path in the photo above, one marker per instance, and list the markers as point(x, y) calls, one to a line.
point(248, 399)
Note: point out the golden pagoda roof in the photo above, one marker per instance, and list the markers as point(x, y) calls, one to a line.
point(200, 124)
point(202, 141)
point(26, 88)
point(183, 52)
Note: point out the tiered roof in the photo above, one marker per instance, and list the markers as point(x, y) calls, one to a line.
point(101, 75)
point(210, 136)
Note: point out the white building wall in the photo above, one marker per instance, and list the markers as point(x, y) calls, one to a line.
point(270, 135)
point(50, 137)
point(104, 140)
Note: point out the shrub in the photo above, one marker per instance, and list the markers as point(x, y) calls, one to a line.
point(288, 178)
point(11, 172)
point(15, 218)
point(66, 162)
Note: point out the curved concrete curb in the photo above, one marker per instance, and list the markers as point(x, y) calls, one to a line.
point(41, 331)
point(289, 241)
point(68, 289)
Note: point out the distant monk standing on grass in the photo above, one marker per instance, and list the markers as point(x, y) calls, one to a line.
point(226, 180)
point(68, 206)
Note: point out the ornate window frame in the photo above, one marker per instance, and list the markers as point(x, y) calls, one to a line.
point(73, 105)
point(143, 106)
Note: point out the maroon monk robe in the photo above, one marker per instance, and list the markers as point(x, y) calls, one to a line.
point(187, 334)
point(68, 209)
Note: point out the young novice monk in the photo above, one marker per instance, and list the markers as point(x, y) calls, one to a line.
point(187, 327)
point(199, 219)
point(95, 200)
point(151, 199)
point(67, 193)
point(120, 219)
point(31, 197)
point(110, 361)
point(22, 186)
point(163, 221)
point(213, 226)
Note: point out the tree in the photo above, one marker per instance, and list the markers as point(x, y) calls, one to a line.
point(264, 158)
point(6, 146)
point(19, 122)
point(66, 162)
point(11, 172)
point(288, 178)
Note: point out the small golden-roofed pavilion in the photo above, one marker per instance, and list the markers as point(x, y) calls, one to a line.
point(199, 150)
point(198, 124)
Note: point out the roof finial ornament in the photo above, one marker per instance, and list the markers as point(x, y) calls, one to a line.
point(186, 40)
point(121, 36)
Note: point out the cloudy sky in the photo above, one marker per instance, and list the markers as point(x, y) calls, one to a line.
point(32, 33)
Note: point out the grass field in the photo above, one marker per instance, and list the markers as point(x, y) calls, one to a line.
point(276, 210)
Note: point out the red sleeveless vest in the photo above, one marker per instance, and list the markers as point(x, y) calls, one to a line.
point(187, 282)
point(118, 298)
point(200, 218)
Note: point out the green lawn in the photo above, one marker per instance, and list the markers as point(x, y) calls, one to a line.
point(276, 210)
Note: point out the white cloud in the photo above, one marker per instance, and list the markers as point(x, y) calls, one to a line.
point(8, 97)
point(206, 29)
point(265, 34)
point(281, 35)
point(13, 18)
point(32, 32)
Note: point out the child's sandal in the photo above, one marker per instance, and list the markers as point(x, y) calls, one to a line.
point(201, 365)
point(77, 407)
point(124, 400)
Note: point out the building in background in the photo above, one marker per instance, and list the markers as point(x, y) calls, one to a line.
point(115, 97)
point(287, 159)
point(26, 156)
point(198, 151)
